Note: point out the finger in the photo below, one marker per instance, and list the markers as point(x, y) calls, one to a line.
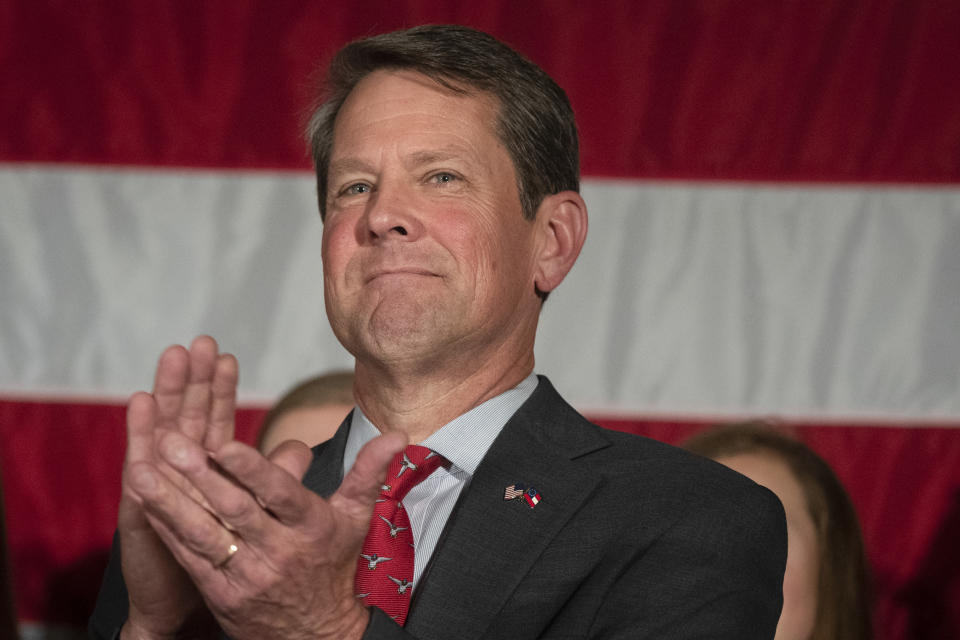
point(193, 527)
point(292, 456)
point(206, 570)
point(168, 384)
point(142, 427)
point(222, 496)
point(361, 486)
point(274, 487)
point(141, 423)
point(223, 407)
point(249, 494)
point(193, 418)
point(144, 421)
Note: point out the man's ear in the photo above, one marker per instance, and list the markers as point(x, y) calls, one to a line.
point(562, 229)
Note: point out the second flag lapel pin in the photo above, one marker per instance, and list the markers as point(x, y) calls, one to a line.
point(519, 490)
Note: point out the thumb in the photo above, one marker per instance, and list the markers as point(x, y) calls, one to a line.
point(361, 486)
point(293, 457)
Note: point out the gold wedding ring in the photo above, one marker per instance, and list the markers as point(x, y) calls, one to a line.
point(231, 551)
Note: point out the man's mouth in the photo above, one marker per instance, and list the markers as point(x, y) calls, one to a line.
point(398, 272)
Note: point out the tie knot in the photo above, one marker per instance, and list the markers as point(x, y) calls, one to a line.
point(408, 468)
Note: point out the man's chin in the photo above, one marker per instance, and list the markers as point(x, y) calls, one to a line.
point(401, 329)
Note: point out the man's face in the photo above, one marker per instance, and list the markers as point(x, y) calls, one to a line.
point(426, 253)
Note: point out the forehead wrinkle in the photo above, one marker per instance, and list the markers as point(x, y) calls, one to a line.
point(354, 164)
point(349, 164)
point(418, 119)
point(443, 154)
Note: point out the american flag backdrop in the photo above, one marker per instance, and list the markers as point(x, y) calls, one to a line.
point(774, 195)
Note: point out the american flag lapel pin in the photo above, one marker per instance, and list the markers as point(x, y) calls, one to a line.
point(519, 490)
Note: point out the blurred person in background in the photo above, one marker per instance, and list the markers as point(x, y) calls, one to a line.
point(826, 584)
point(310, 412)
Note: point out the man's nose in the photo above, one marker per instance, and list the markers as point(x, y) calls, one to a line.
point(392, 214)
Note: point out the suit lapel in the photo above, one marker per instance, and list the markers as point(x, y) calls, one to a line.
point(490, 544)
point(325, 472)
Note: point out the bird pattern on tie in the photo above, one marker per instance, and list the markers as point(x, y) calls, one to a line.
point(385, 567)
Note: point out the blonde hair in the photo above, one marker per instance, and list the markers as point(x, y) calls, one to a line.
point(330, 388)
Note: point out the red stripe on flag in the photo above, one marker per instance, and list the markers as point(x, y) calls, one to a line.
point(734, 91)
point(61, 466)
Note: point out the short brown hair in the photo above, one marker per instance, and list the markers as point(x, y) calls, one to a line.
point(535, 121)
point(843, 602)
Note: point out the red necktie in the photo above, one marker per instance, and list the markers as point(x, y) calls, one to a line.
point(385, 568)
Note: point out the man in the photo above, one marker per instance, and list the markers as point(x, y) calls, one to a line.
point(310, 412)
point(447, 174)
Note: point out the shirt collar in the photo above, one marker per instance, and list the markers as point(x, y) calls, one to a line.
point(464, 440)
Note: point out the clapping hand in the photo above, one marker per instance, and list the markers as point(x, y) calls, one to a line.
point(212, 531)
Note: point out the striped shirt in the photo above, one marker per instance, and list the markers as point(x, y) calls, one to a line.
point(463, 441)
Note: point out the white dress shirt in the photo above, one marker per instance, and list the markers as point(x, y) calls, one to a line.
point(463, 441)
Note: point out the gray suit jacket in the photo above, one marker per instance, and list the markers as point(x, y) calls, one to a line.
point(632, 539)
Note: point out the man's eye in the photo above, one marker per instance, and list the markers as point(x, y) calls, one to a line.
point(357, 189)
point(443, 178)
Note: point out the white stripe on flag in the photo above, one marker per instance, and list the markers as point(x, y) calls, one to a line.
point(689, 298)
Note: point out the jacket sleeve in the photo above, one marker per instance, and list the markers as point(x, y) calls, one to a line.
point(716, 573)
point(110, 612)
